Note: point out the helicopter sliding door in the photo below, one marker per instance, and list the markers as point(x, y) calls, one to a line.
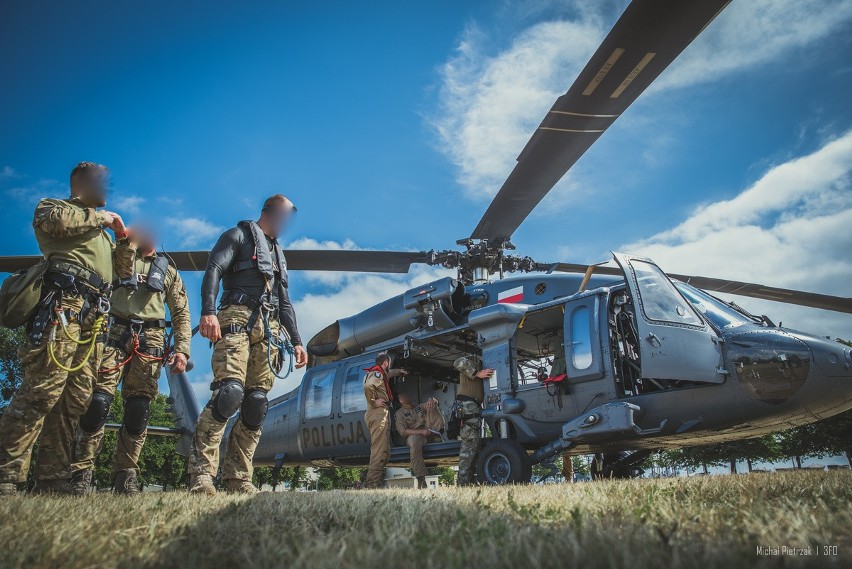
point(675, 343)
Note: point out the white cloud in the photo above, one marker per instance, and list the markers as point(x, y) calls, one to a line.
point(8, 173)
point(754, 32)
point(491, 99)
point(30, 194)
point(127, 205)
point(789, 229)
point(192, 231)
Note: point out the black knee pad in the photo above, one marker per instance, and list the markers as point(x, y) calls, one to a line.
point(136, 410)
point(96, 415)
point(227, 400)
point(254, 408)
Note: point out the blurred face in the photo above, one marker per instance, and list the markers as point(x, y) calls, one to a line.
point(278, 217)
point(91, 186)
point(404, 399)
point(144, 237)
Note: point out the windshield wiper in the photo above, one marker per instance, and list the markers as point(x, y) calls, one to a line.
point(759, 319)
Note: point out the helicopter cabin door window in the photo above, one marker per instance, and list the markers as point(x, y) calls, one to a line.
point(353, 399)
point(318, 391)
point(675, 343)
point(583, 340)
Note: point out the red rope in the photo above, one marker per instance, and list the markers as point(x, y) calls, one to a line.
point(134, 352)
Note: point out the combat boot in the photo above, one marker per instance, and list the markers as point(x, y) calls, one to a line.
point(125, 482)
point(202, 484)
point(51, 487)
point(81, 482)
point(236, 486)
point(421, 483)
point(8, 489)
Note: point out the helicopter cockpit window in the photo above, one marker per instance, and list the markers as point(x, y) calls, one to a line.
point(660, 300)
point(353, 391)
point(718, 313)
point(318, 393)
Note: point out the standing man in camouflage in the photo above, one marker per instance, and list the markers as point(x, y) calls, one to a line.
point(255, 304)
point(418, 424)
point(66, 334)
point(379, 396)
point(469, 397)
point(134, 355)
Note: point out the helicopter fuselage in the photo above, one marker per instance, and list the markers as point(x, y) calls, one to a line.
point(694, 369)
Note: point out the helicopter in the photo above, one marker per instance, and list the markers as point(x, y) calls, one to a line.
point(612, 360)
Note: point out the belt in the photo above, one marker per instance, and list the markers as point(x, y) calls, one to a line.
point(241, 298)
point(78, 273)
point(468, 398)
point(141, 324)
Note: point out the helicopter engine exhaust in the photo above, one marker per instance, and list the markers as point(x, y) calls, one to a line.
point(437, 305)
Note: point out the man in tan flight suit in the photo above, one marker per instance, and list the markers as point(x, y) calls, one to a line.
point(65, 336)
point(419, 424)
point(469, 397)
point(134, 356)
point(379, 396)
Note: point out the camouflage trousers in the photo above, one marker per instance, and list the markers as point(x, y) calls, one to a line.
point(470, 436)
point(241, 357)
point(138, 378)
point(49, 402)
point(378, 423)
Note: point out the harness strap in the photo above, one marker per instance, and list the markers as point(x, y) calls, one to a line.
point(78, 273)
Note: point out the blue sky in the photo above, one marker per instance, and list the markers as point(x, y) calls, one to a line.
point(390, 124)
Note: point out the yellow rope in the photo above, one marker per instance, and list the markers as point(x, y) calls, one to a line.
point(96, 328)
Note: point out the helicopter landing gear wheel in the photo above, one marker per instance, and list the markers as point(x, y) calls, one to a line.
point(503, 461)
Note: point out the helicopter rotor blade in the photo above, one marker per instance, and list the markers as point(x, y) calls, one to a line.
point(297, 260)
point(648, 36)
point(324, 260)
point(726, 286)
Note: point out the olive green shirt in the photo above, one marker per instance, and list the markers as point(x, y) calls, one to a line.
point(471, 386)
point(68, 230)
point(143, 304)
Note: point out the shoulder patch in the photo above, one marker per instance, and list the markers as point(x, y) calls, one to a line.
point(377, 375)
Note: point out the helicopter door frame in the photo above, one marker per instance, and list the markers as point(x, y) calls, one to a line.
point(583, 354)
point(675, 341)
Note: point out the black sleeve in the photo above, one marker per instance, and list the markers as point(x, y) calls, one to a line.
point(221, 258)
point(286, 314)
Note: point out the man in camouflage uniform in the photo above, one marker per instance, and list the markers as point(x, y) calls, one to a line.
point(255, 305)
point(133, 355)
point(61, 359)
point(469, 397)
point(379, 397)
point(418, 424)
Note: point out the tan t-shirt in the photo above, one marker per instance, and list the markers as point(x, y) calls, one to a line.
point(471, 386)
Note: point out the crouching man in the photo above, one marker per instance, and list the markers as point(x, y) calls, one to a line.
point(419, 424)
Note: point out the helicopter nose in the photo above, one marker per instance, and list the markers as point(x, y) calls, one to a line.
point(833, 362)
point(832, 358)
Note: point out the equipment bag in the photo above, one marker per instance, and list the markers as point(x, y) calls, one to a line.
point(20, 294)
point(454, 424)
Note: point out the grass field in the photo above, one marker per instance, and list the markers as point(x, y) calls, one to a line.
point(704, 521)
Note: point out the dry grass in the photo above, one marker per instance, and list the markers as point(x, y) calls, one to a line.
point(706, 522)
